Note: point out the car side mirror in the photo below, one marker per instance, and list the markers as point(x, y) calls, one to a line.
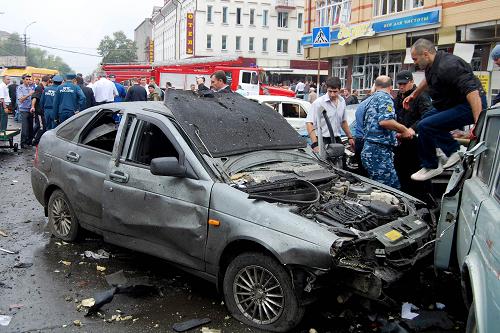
point(167, 166)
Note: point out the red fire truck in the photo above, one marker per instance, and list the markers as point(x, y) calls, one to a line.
point(182, 73)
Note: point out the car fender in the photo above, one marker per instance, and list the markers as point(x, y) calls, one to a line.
point(472, 269)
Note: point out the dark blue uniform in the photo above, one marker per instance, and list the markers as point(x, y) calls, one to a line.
point(47, 104)
point(377, 156)
point(69, 99)
point(122, 92)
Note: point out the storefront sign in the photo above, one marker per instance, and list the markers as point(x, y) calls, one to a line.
point(484, 77)
point(190, 33)
point(345, 35)
point(151, 51)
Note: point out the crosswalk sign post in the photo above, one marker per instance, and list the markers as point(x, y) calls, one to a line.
point(321, 38)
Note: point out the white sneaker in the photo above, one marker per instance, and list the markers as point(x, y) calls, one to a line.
point(452, 160)
point(425, 174)
point(442, 158)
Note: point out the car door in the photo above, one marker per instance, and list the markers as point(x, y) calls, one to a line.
point(249, 81)
point(476, 190)
point(161, 215)
point(85, 165)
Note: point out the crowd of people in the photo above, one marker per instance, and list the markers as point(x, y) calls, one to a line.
point(405, 141)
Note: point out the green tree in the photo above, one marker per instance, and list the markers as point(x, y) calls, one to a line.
point(12, 46)
point(117, 49)
point(39, 58)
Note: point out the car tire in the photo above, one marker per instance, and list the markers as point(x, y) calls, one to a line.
point(258, 291)
point(62, 218)
point(471, 320)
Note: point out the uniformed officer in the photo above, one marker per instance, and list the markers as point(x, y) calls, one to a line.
point(47, 102)
point(379, 126)
point(69, 99)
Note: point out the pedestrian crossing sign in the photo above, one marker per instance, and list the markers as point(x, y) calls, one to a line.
point(321, 37)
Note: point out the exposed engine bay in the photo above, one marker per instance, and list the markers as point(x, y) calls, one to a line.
point(381, 233)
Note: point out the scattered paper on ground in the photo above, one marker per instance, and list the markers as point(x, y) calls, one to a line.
point(88, 302)
point(5, 320)
point(406, 311)
point(101, 268)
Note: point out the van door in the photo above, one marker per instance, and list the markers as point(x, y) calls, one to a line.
point(249, 81)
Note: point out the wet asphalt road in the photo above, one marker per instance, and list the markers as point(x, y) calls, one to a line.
point(44, 297)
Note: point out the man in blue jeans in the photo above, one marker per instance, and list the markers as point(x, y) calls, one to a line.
point(24, 92)
point(457, 98)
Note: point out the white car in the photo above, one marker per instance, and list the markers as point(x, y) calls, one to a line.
point(293, 109)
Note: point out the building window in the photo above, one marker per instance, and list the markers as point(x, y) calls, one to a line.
point(238, 43)
point(299, 20)
point(209, 14)
point(282, 20)
point(299, 47)
point(265, 14)
point(366, 68)
point(238, 15)
point(264, 44)
point(282, 46)
point(209, 41)
point(224, 42)
point(250, 43)
point(339, 69)
point(224, 15)
point(252, 16)
point(333, 12)
point(384, 7)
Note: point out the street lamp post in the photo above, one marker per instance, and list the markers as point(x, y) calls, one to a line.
point(26, 42)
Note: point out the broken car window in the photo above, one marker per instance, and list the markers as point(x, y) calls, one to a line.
point(101, 132)
point(149, 142)
point(486, 160)
point(69, 130)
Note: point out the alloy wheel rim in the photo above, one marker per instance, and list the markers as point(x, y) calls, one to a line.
point(62, 216)
point(258, 295)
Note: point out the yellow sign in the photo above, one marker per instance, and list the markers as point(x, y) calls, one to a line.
point(484, 77)
point(349, 33)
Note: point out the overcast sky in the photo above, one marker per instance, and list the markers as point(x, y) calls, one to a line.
point(74, 25)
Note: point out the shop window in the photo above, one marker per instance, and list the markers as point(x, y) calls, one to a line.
point(339, 69)
point(367, 68)
point(333, 12)
point(385, 7)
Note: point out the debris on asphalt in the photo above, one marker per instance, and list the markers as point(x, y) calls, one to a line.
point(440, 306)
point(88, 302)
point(190, 324)
point(5, 286)
point(23, 265)
point(101, 254)
point(3, 233)
point(210, 330)
point(65, 263)
point(406, 311)
point(95, 303)
point(119, 317)
point(101, 268)
point(116, 279)
point(77, 323)
point(5, 320)
point(7, 251)
point(430, 319)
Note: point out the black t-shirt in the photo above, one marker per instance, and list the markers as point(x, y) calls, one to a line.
point(38, 95)
point(450, 79)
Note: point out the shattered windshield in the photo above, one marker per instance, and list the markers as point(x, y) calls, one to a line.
point(230, 124)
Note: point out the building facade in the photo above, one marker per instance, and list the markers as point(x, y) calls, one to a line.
point(142, 38)
point(266, 33)
point(372, 37)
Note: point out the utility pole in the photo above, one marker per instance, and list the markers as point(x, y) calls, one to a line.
point(26, 42)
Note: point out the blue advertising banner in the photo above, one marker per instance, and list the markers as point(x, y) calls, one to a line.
point(346, 34)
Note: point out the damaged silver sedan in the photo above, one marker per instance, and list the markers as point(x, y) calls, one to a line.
point(224, 188)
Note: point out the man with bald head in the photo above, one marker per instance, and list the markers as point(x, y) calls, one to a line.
point(380, 127)
point(457, 99)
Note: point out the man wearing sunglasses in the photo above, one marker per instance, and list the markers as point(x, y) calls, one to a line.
point(331, 106)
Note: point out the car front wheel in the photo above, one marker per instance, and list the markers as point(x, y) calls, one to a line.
point(62, 219)
point(258, 292)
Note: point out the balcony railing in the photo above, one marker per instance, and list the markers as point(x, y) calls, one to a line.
point(284, 4)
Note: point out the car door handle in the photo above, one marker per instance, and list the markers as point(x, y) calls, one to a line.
point(72, 156)
point(118, 176)
point(475, 209)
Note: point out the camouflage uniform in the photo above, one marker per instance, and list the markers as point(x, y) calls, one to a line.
point(377, 156)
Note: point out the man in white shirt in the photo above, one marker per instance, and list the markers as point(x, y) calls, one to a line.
point(104, 90)
point(299, 89)
point(4, 102)
point(144, 84)
point(331, 105)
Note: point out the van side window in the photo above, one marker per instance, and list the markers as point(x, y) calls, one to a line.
point(291, 110)
point(149, 142)
point(486, 160)
point(246, 77)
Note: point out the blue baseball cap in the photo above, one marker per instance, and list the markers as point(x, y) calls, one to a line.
point(495, 54)
point(70, 76)
point(57, 78)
